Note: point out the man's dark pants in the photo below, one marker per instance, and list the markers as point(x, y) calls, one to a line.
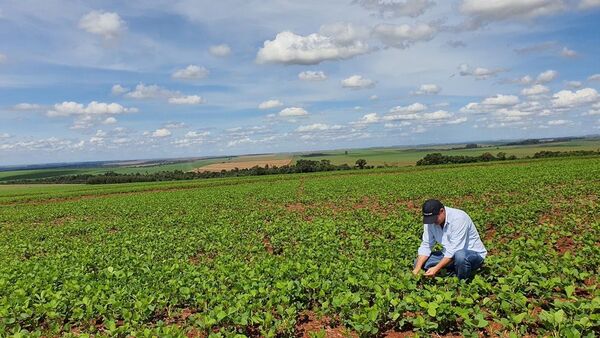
point(463, 265)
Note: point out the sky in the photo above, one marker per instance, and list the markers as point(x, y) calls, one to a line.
point(116, 80)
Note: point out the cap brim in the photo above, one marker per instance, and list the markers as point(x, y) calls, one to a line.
point(429, 219)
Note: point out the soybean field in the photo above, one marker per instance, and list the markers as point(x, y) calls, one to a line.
point(302, 255)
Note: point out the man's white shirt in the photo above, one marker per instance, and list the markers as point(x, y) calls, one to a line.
point(458, 233)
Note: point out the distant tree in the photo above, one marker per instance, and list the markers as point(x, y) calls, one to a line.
point(471, 146)
point(346, 152)
point(361, 163)
point(501, 156)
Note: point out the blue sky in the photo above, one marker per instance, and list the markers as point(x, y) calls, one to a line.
point(103, 80)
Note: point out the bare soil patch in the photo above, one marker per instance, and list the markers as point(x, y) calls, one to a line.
point(244, 164)
point(308, 322)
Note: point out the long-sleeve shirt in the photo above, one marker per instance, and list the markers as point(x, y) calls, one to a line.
point(458, 233)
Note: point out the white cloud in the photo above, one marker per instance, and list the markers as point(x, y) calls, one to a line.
point(501, 100)
point(175, 125)
point(196, 134)
point(143, 91)
point(373, 97)
point(26, 106)
point(93, 108)
point(314, 127)
point(220, 50)
point(107, 24)
point(437, 115)
point(290, 48)
point(574, 84)
point(487, 11)
point(535, 90)
point(587, 4)
point(595, 77)
point(3, 58)
point(191, 72)
point(428, 89)
point(4, 135)
point(310, 75)
point(369, 118)
point(403, 36)
point(547, 76)
point(558, 122)
point(109, 120)
point(569, 53)
point(569, 99)
point(118, 89)
point(479, 73)
point(270, 104)
point(357, 82)
point(396, 8)
point(162, 132)
point(293, 111)
point(189, 99)
point(458, 120)
point(413, 108)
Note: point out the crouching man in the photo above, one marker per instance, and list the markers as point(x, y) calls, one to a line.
point(462, 253)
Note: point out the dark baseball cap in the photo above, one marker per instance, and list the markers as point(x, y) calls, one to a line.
point(431, 209)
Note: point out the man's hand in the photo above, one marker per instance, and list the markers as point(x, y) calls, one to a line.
point(416, 271)
point(431, 272)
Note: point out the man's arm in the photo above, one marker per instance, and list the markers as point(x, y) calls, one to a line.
point(431, 272)
point(425, 249)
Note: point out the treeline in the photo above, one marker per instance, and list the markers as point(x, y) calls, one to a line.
point(438, 158)
point(301, 166)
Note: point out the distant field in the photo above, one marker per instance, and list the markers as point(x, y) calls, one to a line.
point(374, 156)
point(241, 164)
point(409, 156)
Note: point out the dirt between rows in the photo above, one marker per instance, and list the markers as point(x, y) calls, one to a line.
point(244, 165)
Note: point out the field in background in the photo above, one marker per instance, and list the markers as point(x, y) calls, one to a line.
point(303, 255)
point(374, 156)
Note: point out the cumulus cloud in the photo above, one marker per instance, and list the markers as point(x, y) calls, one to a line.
point(558, 122)
point(456, 43)
point(118, 90)
point(568, 53)
point(574, 84)
point(143, 91)
point(310, 75)
point(479, 73)
point(357, 82)
point(428, 89)
point(290, 48)
point(189, 99)
point(191, 72)
point(293, 111)
point(413, 108)
point(93, 108)
point(109, 120)
point(501, 100)
point(458, 120)
point(403, 36)
point(396, 8)
point(109, 25)
point(437, 115)
point(162, 132)
point(535, 90)
point(547, 76)
point(570, 99)
point(26, 106)
point(4, 135)
point(368, 119)
point(270, 104)
point(317, 127)
point(595, 77)
point(220, 50)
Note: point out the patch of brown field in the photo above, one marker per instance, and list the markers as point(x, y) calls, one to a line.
point(493, 329)
point(308, 323)
point(397, 334)
point(244, 164)
point(267, 244)
point(564, 244)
